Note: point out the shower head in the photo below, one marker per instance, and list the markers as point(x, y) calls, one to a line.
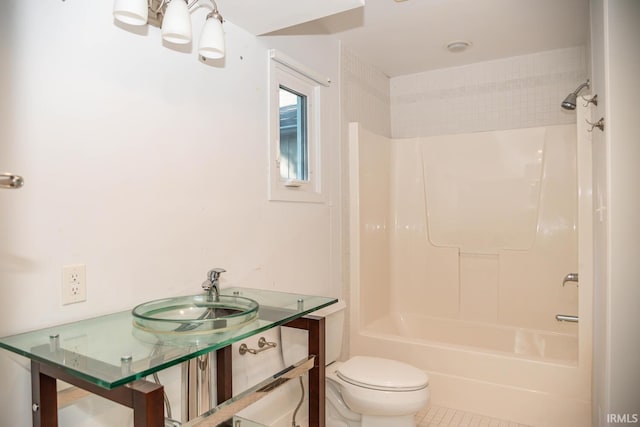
point(569, 102)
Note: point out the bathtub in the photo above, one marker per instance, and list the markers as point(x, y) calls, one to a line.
point(529, 389)
point(529, 344)
point(476, 311)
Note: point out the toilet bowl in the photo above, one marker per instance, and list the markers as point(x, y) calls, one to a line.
point(367, 391)
point(338, 413)
point(376, 392)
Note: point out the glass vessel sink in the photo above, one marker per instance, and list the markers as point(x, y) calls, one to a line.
point(194, 315)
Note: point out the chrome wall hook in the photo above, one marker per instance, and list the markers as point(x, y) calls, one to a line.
point(599, 124)
point(593, 100)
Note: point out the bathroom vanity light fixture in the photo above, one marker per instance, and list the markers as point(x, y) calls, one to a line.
point(174, 19)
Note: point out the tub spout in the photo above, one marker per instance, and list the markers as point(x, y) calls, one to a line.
point(571, 277)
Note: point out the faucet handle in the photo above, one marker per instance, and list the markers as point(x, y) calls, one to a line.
point(214, 274)
point(571, 277)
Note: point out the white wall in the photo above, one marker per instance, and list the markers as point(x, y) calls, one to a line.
point(147, 166)
point(622, 68)
point(600, 391)
point(510, 93)
point(616, 65)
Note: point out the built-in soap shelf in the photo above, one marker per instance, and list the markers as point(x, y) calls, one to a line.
point(224, 413)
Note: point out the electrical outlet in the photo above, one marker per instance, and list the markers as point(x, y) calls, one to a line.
point(74, 284)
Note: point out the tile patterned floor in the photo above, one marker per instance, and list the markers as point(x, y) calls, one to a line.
point(438, 416)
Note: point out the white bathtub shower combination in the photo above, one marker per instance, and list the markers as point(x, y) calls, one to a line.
point(459, 247)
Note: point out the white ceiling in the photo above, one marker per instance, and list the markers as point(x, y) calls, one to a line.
point(262, 17)
point(407, 37)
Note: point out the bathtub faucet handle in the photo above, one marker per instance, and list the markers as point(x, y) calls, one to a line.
point(571, 277)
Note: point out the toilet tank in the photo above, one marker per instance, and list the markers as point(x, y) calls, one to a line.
point(334, 329)
point(294, 341)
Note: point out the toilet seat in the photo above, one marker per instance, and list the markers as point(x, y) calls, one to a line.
point(382, 374)
point(380, 393)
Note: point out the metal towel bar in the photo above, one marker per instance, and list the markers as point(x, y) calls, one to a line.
point(228, 409)
point(566, 318)
point(263, 345)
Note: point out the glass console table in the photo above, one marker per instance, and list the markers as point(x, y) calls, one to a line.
point(109, 357)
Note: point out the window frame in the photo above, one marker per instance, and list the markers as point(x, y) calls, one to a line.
point(286, 72)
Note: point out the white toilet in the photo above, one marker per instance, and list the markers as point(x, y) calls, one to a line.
point(368, 391)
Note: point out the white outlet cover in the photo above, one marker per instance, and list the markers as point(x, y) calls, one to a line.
point(74, 284)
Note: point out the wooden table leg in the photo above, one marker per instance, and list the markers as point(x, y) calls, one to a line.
point(224, 374)
point(317, 380)
point(44, 398)
point(148, 404)
point(145, 398)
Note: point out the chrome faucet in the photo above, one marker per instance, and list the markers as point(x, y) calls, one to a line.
point(571, 277)
point(211, 284)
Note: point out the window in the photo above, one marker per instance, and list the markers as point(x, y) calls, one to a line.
point(294, 143)
point(294, 131)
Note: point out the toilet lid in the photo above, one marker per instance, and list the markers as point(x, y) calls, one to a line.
point(382, 374)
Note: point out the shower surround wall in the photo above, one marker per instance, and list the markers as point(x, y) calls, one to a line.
point(365, 98)
point(498, 210)
point(459, 245)
point(517, 92)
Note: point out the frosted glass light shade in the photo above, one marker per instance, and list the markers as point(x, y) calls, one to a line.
point(132, 12)
point(212, 39)
point(176, 25)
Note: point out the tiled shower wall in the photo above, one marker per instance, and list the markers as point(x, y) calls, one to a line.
point(517, 92)
point(364, 94)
